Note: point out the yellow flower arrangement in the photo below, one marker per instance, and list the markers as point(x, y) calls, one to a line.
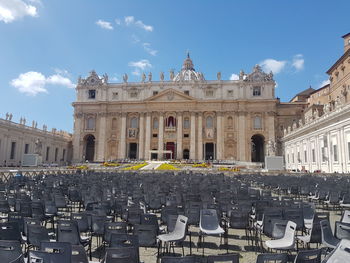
point(135, 167)
point(226, 169)
point(200, 165)
point(108, 164)
point(167, 166)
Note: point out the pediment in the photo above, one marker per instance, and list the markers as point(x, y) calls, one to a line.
point(170, 95)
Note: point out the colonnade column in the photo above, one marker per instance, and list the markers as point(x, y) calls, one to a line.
point(242, 142)
point(219, 137)
point(193, 137)
point(101, 138)
point(148, 136)
point(141, 136)
point(122, 144)
point(77, 149)
point(200, 136)
point(160, 136)
point(179, 136)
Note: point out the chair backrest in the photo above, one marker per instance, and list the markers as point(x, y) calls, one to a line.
point(209, 219)
point(171, 222)
point(97, 224)
point(147, 235)
point(289, 235)
point(43, 257)
point(181, 226)
point(10, 251)
point(30, 221)
point(82, 221)
point(16, 217)
point(37, 234)
point(79, 254)
point(60, 250)
point(67, 231)
point(121, 255)
point(342, 230)
point(230, 258)
point(113, 227)
point(340, 254)
point(326, 231)
point(276, 258)
point(346, 217)
point(308, 256)
point(238, 219)
point(10, 231)
point(278, 228)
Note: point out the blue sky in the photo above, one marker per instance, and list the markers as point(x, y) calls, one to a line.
point(46, 44)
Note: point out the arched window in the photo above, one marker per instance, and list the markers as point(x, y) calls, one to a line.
point(90, 123)
point(209, 122)
point(133, 122)
point(114, 124)
point(230, 121)
point(186, 123)
point(257, 122)
point(155, 123)
point(170, 122)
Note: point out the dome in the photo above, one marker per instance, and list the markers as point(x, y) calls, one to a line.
point(188, 73)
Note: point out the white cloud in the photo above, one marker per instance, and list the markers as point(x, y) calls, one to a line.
point(130, 20)
point(141, 64)
point(147, 47)
point(324, 83)
point(234, 77)
point(33, 83)
point(273, 65)
point(104, 24)
point(298, 62)
point(60, 80)
point(118, 21)
point(11, 10)
point(135, 39)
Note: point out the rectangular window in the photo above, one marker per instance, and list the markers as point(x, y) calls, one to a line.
point(13, 150)
point(335, 153)
point(155, 93)
point(305, 156)
point(293, 157)
point(115, 95)
point(155, 135)
point(26, 148)
point(133, 94)
point(63, 154)
point(256, 91)
point(186, 135)
point(209, 93)
point(313, 156)
point(47, 153)
point(90, 123)
point(257, 123)
point(187, 92)
point(92, 94)
point(299, 160)
point(56, 154)
point(230, 93)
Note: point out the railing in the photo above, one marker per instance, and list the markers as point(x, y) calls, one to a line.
point(5, 175)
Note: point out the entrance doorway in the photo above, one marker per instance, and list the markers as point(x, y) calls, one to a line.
point(186, 154)
point(132, 150)
point(89, 148)
point(154, 156)
point(258, 148)
point(170, 146)
point(209, 151)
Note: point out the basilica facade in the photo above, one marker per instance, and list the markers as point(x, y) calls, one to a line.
point(184, 117)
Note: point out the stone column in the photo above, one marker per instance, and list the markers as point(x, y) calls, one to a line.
point(242, 140)
point(101, 138)
point(219, 137)
point(193, 137)
point(179, 136)
point(77, 149)
point(147, 155)
point(141, 136)
point(122, 143)
point(160, 136)
point(200, 137)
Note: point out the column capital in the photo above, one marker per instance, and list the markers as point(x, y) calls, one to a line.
point(123, 114)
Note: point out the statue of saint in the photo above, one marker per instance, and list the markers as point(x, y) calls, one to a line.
point(105, 78)
point(125, 77)
point(143, 78)
point(7, 115)
point(150, 76)
point(172, 74)
point(161, 76)
point(10, 116)
point(38, 147)
point(218, 75)
point(271, 148)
